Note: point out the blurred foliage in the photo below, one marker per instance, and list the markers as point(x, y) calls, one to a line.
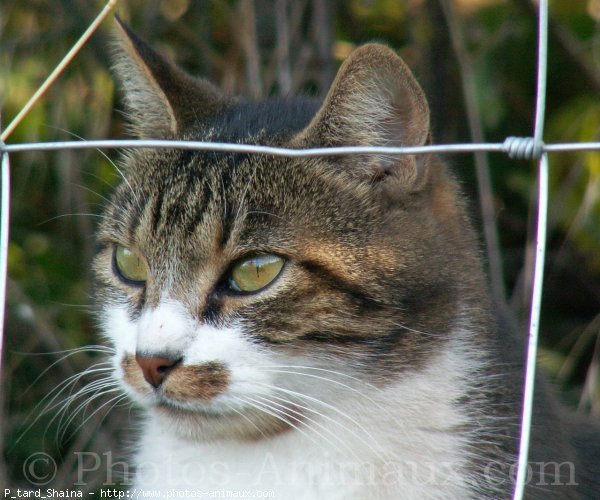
point(265, 47)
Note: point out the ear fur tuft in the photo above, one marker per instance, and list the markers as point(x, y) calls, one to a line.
point(374, 101)
point(161, 99)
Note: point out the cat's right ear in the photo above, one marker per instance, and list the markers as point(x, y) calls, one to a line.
point(162, 100)
point(374, 101)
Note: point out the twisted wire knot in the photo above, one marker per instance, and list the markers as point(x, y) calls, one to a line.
point(523, 148)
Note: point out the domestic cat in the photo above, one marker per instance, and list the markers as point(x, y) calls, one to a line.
point(315, 327)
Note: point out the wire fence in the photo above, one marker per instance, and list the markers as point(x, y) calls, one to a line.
point(529, 148)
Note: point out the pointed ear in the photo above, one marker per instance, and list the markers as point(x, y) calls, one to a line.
point(162, 100)
point(374, 101)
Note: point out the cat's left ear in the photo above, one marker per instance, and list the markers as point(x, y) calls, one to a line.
point(374, 101)
point(162, 100)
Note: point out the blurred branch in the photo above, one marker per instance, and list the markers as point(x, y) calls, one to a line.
point(437, 70)
point(284, 73)
point(591, 389)
point(245, 26)
point(323, 35)
point(300, 49)
point(486, 197)
point(210, 55)
point(571, 48)
point(42, 332)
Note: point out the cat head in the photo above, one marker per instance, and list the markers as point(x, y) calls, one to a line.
point(227, 282)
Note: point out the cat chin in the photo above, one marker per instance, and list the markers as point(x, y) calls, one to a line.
point(206, 425)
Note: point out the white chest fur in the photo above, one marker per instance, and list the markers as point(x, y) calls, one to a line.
point(407, 441)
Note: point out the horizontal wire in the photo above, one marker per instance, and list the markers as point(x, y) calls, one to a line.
point(296, 153)
point(249, 148)
point(568, 147)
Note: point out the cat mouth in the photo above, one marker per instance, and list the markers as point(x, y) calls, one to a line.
point(171, 408)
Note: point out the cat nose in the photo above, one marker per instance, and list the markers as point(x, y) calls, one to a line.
point(155, 368)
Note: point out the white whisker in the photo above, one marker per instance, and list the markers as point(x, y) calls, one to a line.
point(314, 422)
point(262, 212)
point(248, 419)
point(361, 394)
point(116, 399)
point(380, 453)
point(62, 386)
point(99, 389)
point(265, 409)
point(73, 214)
point(333, 372)
point(51, 401)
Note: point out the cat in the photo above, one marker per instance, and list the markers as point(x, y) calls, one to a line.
point(313, 327)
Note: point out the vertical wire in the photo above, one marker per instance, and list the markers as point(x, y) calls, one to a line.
point(538, 279)
point(540, 106)
point(540, 255)
point(4, 221)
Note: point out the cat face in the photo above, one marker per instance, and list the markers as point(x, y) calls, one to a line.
point(228, 283)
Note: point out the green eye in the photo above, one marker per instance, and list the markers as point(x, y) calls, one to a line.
point(255, 273)
point(129, 265)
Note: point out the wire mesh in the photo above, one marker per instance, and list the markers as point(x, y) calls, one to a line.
point(515, 147)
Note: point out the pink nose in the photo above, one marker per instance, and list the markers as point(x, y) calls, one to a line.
point(155, 369)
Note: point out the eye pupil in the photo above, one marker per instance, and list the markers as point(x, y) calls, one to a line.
point(255, 273)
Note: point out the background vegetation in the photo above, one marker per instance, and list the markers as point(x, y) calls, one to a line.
point(476, 60)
